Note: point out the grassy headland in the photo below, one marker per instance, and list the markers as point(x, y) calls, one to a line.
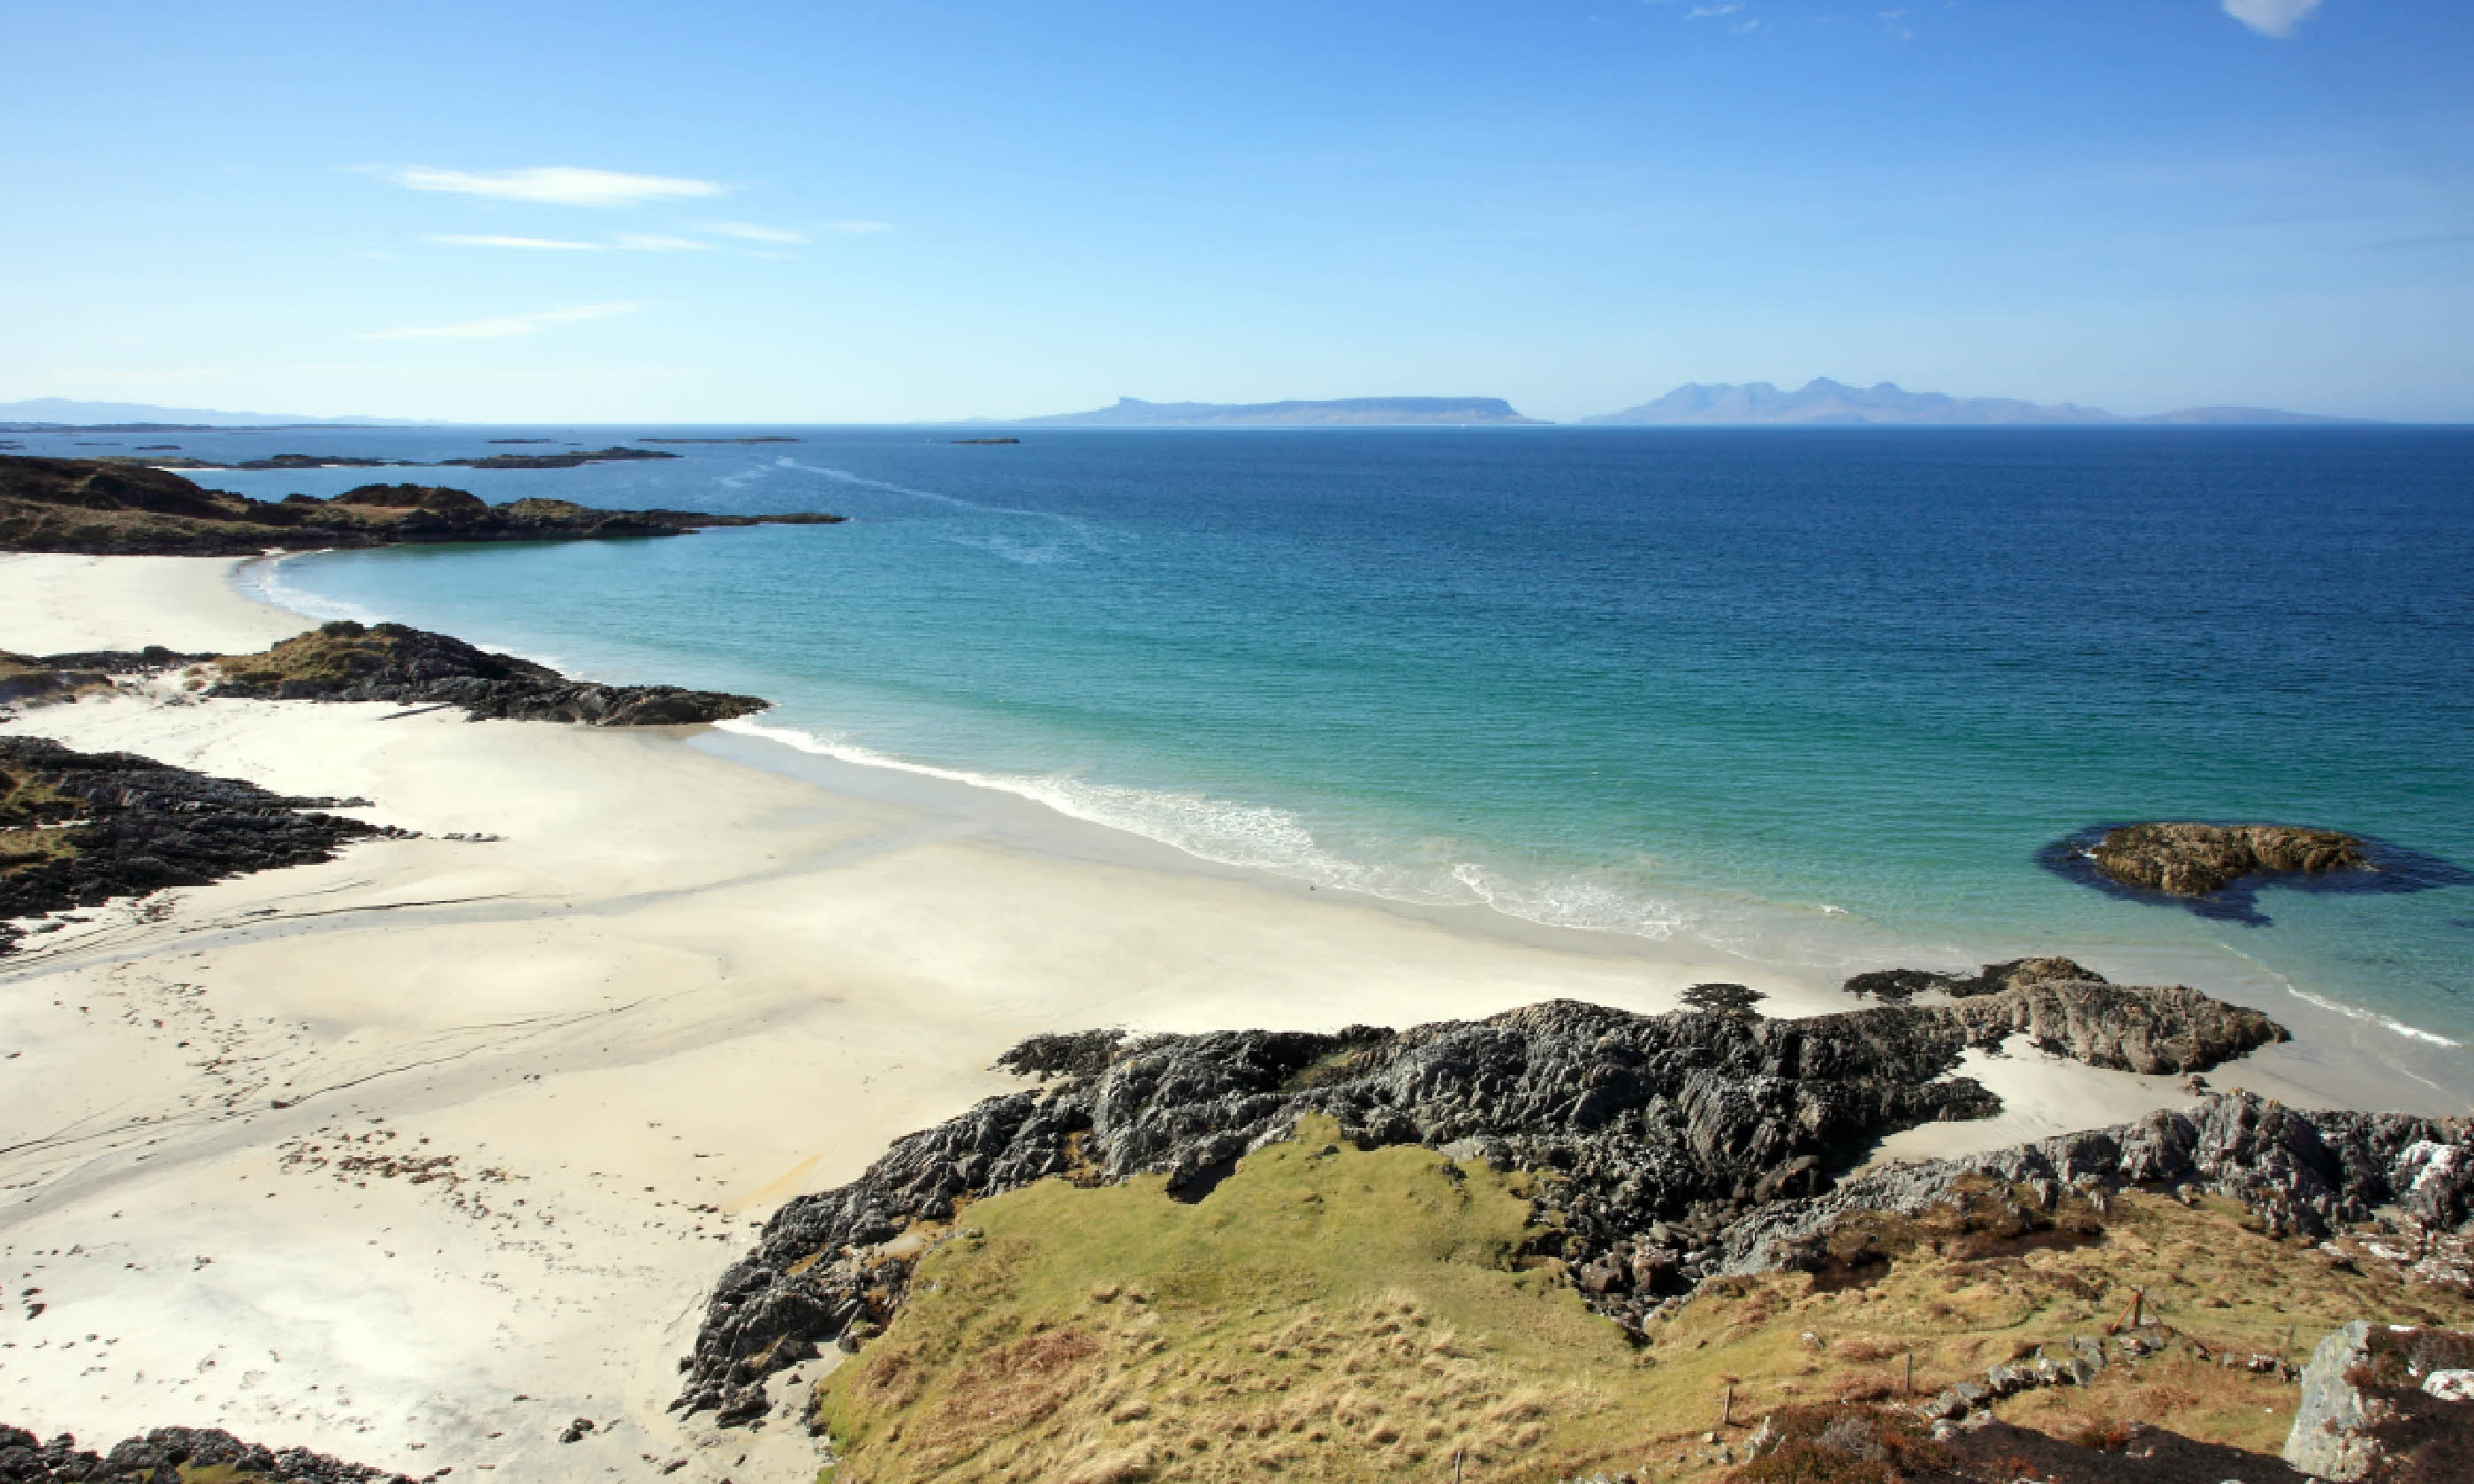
point(1333, 1313)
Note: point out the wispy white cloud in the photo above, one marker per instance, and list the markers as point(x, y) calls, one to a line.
point(564, 185)
point(750, 231)
point(534, 244)
point(507, 325)
point(655, 242)
point(2270, 17)
point(1707, 11)
point(1895, 22)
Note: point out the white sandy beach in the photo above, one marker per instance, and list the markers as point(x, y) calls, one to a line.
point(677, 991)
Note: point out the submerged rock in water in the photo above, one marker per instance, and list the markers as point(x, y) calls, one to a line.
point(1662, 1132)
point(2195, 860)
point(348, 661)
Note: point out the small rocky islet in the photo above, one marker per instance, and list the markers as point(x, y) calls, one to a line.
point(2184, 859)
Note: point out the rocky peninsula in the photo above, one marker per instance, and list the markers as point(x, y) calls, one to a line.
point(343, 661)
point(1039, 1286)
point(109, 508)
point(1666, 1132)
point(77, 829)
point(80, 830)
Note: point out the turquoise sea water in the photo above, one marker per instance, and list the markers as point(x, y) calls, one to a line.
point(1814, 697)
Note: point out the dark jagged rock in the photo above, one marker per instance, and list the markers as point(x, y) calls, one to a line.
point(348, 661)
point(2195, 860)
point(1897, 986)
point(2298, 1172)
point(1660, 1129)
point(168, 1455)
point(77, 829)
point(112, 508)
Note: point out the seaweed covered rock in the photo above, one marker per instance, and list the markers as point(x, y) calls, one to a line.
point(349, 661)
point(1660, 1131)
point(2195, 860)
point(79, 829)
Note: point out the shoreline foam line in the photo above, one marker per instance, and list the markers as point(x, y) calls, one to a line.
point(1652, 921)
point(1305, 860)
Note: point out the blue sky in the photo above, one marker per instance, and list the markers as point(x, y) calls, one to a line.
point(829, 213)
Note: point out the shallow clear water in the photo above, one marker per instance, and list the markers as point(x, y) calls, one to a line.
point(1815, 696)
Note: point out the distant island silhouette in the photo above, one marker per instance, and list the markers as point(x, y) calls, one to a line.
point(1350, 411)
point(1823, 402)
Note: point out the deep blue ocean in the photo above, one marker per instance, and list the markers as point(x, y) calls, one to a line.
point(1814, 697)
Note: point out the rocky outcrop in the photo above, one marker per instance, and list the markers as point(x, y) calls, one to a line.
point(77, 829)
point(2066, 1008)
point(1662, 1131)
point(2331, 1435)
point(111, 507)
point(349, 661)
point(168, 1455)
point(37, 679)
point(1897, 986)
point(2299, 1173)
point(2195, 860)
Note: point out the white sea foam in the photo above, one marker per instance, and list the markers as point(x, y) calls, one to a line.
point(845, 476)
point(263, 578)
point(1257, 837)
point(1067, 531)
point(2384, 1022)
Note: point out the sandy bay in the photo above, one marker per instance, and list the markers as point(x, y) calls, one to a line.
point(678, 987)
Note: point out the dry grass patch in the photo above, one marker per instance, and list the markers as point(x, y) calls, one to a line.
point(1368, 1315)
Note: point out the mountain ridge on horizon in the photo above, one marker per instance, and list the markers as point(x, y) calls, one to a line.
point(1823, 402)
point(69, 412)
